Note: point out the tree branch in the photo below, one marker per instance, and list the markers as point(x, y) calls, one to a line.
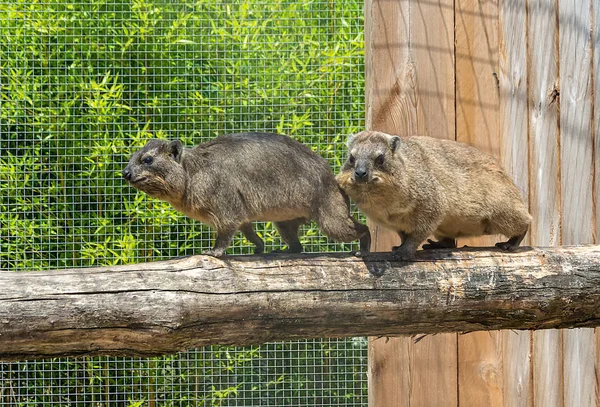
point(162, 307)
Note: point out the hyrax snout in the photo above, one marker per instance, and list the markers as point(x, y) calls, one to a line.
point(422, 186)
point(236, 179)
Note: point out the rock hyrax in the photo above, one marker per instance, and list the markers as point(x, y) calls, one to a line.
point(236, 179)
point(422, 186)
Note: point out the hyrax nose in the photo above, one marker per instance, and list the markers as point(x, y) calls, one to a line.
point(360, 173)
point(126, 174)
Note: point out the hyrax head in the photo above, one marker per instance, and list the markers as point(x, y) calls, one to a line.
point(370, 157)
point(156, 170)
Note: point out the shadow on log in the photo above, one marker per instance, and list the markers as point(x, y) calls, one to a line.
point(163, 307)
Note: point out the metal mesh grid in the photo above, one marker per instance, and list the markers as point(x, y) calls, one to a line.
point(83, 84)
point(305, 373)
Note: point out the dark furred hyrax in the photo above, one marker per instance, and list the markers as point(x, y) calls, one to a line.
point(422, 186)
point(236, 179)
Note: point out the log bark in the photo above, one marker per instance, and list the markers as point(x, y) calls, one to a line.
point(163, 307)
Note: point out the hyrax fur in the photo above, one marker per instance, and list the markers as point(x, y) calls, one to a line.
point(422, 186)
point(236, 179)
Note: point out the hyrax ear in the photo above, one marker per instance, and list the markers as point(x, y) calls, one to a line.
point(394, 143)
point(351, 139)
point(175, 148)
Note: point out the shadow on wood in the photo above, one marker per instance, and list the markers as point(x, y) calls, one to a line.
point(163, 307)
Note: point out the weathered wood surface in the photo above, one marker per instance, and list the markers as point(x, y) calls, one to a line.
point(409, 64)
point(162, 307)
point(577, 171)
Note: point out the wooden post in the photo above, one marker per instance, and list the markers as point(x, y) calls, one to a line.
point(409, 52)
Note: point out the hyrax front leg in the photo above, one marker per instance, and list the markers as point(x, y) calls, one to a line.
point(248, 230)
point(410, 244)
point(288, 231)
point(222, 241)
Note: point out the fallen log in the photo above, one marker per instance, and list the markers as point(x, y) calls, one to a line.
point(163, 307)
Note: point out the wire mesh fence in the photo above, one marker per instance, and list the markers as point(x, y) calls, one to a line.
point(83, 84)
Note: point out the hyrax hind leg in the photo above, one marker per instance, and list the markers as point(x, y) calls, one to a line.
point(288, 231)
point(511, 244)
point(334, 219)
point(511, 223)
point(248, 230)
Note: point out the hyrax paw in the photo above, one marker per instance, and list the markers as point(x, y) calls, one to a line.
point(213, 253)
point(403, 254)
point(360, 253)
point(430, 245)
point(507, 246)
point(440, 244)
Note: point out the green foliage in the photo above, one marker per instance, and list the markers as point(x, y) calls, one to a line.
point(303, 373)
point(85, 83)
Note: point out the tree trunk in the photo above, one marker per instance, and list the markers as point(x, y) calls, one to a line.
point(163, 307)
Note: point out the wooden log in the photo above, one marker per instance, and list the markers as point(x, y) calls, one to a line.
point(162, 307)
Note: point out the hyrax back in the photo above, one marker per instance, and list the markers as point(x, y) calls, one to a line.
point(236, 179)
point(422, 186)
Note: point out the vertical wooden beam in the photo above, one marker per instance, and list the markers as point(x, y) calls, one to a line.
point(409, 52)
point(544, 180)
point(491, 97)
point(480, 374)
point(577, 169)
point(477, 70)
point(514, 156)
point(596, 134)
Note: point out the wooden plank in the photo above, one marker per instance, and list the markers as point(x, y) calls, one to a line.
point(413, 372)
point(577, 202)
point(514, 156)
point(410, 67)
point(512, 81)
point(410, 90)
point(480, 377)
point(544, 147)
point(477, 82)
point(579, 373)
point(548, 386)
point(544, 182)
point(578, 221)
point(596, 103)
point(477, 93)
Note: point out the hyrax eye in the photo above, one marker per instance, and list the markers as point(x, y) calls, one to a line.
point(380, 159)
point(148, 160)
point(351, 159)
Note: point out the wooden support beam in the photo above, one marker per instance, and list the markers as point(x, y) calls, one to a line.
point(163, 307)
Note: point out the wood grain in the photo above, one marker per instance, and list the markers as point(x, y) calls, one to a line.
point(480, 378)
point(596, 128)
point(477, 93)
point(544, 180)
point(478, 123)
point(163, 307)
point(577, 202)
point(514, 156)
point(409, 51)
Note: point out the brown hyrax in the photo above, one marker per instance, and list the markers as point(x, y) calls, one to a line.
point(422, 186)
point(236, 179)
